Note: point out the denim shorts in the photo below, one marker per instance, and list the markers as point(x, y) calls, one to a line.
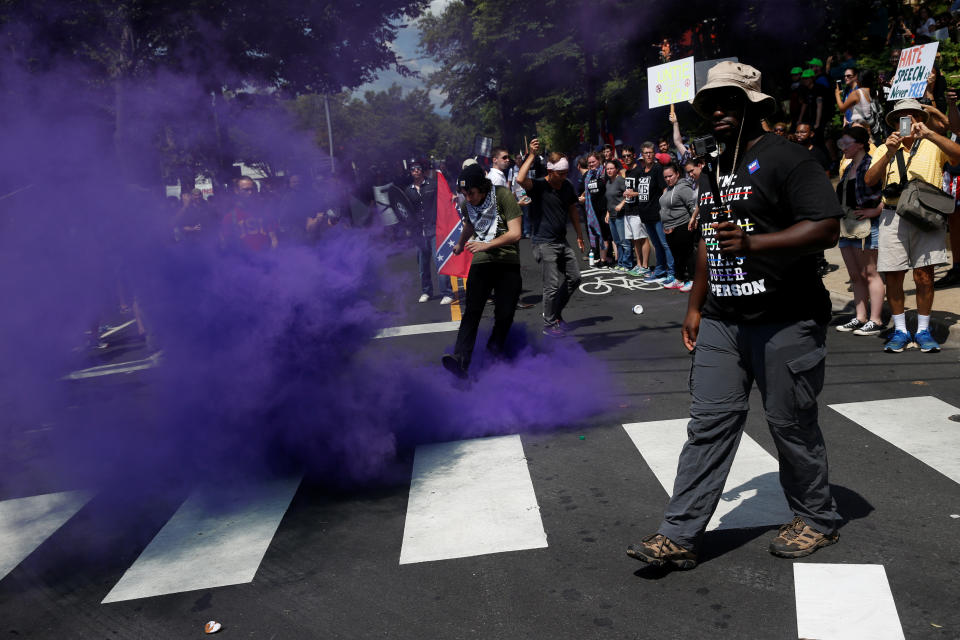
point(870, 242)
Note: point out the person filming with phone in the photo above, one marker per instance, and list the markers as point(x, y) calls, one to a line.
point(757, 312)
point(909, 167)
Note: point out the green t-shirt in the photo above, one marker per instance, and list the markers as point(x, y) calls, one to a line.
point(507, 209)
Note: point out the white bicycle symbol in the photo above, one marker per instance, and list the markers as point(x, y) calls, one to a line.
point(605, 283)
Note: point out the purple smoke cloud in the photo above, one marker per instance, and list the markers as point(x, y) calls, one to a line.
point(268, 360)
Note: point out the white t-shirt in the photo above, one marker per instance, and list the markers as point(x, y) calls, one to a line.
point(496, 177)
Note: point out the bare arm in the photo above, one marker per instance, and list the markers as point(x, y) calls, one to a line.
point(532, 152)
point(574, 213)
point(851, 100)
point(677, 138)
point(466, 232)
point(698, 295)
point(948, 146)
point(878, 168)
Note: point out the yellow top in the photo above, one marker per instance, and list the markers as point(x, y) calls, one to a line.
point(927, 165)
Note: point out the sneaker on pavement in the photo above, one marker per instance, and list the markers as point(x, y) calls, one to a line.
point(868, 328)
point(654, 278)
point(671, 283)
point(926, 342)
point(446, 300)
point(424, 297)
point(797, 539)
point(554, 331)
point(898, 342)
point(658, 550)
point(636, 271)
point(950, 278)
point(850, 326)
point(687, 286)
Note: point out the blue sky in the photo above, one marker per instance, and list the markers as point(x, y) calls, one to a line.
point(406, 47)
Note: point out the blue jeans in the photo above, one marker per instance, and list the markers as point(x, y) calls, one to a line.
point(426, 262)
point(525, 221)
point(664, 257)
point(624, 248)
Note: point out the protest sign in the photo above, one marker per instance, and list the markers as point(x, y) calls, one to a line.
point(670, 83)
point(915, 64)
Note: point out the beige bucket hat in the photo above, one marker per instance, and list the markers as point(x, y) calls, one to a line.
point(733, 74)
point(902, 108)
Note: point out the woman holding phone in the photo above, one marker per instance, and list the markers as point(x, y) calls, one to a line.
point(856, 104)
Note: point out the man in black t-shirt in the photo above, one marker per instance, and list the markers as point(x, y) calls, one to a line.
point(553, 202)
point(757, 312)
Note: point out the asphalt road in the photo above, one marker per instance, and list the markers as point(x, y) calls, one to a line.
point(332, 564)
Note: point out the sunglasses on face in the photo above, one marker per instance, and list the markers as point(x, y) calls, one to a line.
point(779, 129)
point(627, 155)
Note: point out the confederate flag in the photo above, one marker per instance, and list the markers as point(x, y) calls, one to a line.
point(449, 227)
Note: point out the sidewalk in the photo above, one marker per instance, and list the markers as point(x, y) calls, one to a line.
point(944, 320)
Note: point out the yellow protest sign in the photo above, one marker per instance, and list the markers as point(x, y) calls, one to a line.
point(671, 82)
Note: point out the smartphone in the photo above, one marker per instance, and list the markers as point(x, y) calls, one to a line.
point(839, 85)
point(905, 124)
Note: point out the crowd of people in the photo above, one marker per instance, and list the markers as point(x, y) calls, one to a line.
point(641, 211)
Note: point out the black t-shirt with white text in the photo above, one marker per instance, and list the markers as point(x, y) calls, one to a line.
point(650, 185)
point(596, 188)
point(549, 210)
point(777, 184)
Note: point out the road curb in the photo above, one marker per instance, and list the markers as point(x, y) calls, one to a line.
point(948, 332)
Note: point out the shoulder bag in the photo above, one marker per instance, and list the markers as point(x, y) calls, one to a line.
point(851, 227)
point(922, 204)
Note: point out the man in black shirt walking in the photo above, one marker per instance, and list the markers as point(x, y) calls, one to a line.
point(553, 202)
point(757, 313)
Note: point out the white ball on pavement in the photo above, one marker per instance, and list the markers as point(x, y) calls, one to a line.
point(638, 309)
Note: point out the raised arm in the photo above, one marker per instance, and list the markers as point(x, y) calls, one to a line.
point(532, 152)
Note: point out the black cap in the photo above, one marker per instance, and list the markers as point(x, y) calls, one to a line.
point(472, 176)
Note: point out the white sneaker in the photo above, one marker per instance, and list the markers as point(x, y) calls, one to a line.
point(423, 298)
point(446, 300)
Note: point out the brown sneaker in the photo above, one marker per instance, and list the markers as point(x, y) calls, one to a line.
point(797, 539)
point(658, 550)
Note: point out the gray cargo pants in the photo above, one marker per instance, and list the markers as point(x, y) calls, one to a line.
point(787, 362)
point(561, 277)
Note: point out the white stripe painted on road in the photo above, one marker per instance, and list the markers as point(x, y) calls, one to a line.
point(470, 498)
point(26, 522)
point(752, 496)
point(920, 426)
point(117, 329)
point(417, 329)
point(844, 601)
point(113, 369)
point(218, 537)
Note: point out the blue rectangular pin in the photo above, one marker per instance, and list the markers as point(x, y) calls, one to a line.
point(753, 166)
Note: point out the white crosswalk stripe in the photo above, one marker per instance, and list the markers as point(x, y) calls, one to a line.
point(25, 523)
point(218, 537)
point(752, 496)
point(469, 498)
point(476, 497)
point(920, 426)
point(845, 601)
